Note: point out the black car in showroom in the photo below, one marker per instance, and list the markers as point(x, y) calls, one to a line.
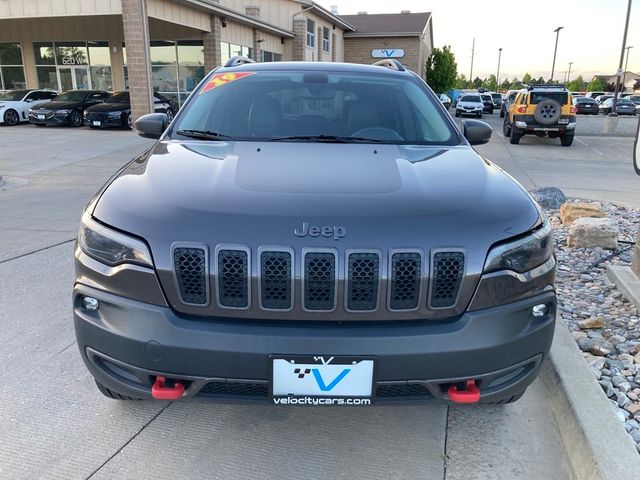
point(116, 111)
point(67, 108)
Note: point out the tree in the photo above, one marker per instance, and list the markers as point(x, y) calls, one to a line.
point(541, 80)
point(441, 69)
point(576, 85)
point(490, 83)
point(462, 82)
point(506, 85)
point(597, 85)
point(477, 82)
point(527, 78)
point(516, 84)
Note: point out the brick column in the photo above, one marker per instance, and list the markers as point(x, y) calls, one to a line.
point(299, 39)
point(136, 37)
point(319, 45)
point(29, 63)
point(211, 43)
point(117, 70)
point(333, 47)
point(257, 49)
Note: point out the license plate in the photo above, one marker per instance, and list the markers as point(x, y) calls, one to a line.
point(96, 123)
point(321, 380)
point(563, 121)
point(40, 117)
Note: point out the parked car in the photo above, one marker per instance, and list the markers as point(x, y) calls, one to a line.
point(636, 100)
point(509, 97)
point(541, 110)
point(67, 108)
point(252, 253)
point(594, 95)
point(497, 100)
point(623, 107)
point(602, 98)
point(446, 101)
point(487, 102)
point(116, 111)
point(14, 104)
point(585, 105)
point(470, 104)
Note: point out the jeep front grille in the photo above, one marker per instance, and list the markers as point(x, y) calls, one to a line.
point(319, 281)
point(191, 274)
point(405, 278)
point(363, 273)
point(447, 274)
point(233, 278)
point(276, 280)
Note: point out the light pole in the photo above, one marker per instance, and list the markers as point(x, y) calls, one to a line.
point(619, 72)
point(498, 74)
point(555, 50)
point(569, 73)
point(473, 51)
point(626, 63)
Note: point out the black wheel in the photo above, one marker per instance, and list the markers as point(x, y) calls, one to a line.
point(515, 136)
point(457, 113)
point(75, 119)
point(506, 128)
point(11, 118)
point(129, 122)
point(111, 394)
point(169, 114)
point(501, 114)
point(566, 140)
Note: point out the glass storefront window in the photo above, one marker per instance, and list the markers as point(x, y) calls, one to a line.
point(190, 53)
point(101, 78)
point(165, 78)
point(224, 47)
point(44, 53)
point(72, 53)
point(47, 77)
point(99, 53)
point(163, 53)
point(190, 76)
point(12, 77)
point(10, 54)
point(11, 70)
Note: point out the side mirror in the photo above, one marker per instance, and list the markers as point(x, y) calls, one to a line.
point(151, 125)
point(476, 132)
point(28, 100)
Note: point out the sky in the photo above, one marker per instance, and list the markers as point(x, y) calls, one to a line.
point(591, 38)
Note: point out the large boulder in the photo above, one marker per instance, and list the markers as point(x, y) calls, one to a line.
point(594, 232)
point(549, 197)
point(571, 211)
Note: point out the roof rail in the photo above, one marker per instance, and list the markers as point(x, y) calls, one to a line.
point(390, 63)
point(544, 85)
point(238, 60)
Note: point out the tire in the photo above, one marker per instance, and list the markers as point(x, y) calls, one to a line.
point(129, 122)
point(515, 136)
point(113, 395)
point(566, 140)
point(506, 128)
point(547, 112)
point(75, 119)
point(457, 113)
point(169, 114)
point(11, 118)
point(501, 114)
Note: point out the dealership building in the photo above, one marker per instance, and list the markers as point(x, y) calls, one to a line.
point(168, 45)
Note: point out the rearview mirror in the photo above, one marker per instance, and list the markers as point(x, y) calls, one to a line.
point(476, 132)
point(151, 125)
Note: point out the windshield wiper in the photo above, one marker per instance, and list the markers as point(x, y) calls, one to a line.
point(203, 134)
point(326, 138)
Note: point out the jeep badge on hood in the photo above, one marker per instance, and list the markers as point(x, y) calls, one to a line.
point(327, 231)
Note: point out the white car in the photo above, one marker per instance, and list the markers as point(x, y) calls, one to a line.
point(14, 104)
point(470, 104)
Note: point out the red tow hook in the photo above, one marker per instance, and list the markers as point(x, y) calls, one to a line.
point(160, 391)
point(470, 395)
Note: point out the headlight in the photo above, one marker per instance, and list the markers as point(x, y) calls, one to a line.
point(524, 254)
point(111, 247)
point(114, 114)
point(63, 111)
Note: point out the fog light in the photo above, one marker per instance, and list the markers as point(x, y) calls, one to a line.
point(90, 303)
point(538, 310)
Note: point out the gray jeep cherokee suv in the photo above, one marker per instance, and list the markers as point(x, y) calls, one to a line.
point(317, 234)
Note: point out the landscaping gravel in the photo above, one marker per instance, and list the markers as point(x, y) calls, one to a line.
point(606, 326)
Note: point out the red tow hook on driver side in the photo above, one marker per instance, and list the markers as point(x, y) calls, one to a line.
point(160, 390)
point(470, 395)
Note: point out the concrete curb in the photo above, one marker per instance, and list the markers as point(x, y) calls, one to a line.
point(626, 281)
point(597, 445)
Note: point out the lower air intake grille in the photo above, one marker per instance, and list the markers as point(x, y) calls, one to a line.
point(448, 270)
point(363, 274)
point(191, 274)
point(319, 281)
point(275, 280)
point(233, 278)
point(405, 275)
point(236, 389)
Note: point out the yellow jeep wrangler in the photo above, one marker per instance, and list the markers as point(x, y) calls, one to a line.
point(541, 110)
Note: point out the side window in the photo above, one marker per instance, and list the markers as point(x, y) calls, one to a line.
point(104, 95)
point(33, 96)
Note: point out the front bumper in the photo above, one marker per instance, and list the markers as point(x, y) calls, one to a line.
point(56, 119)
point(126, 343)
point(476, 111)
point(103, 120)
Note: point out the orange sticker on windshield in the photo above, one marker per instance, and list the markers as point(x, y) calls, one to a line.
point(220, 79)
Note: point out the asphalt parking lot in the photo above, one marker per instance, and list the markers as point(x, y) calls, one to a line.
point(55, 424)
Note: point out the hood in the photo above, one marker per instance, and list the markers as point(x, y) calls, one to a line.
point(58, 105)
point(109, 107)
point(470, 104)
point(258, 193)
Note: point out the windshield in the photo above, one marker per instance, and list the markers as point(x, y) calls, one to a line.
point(119, 97)
point(303, 106)
point(13, 95)
point(496, 96)
point(560, 97)
point(471, 98)
point(584, 100)
point(71, 96)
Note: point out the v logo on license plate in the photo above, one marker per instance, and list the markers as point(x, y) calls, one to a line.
point(336, 381)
